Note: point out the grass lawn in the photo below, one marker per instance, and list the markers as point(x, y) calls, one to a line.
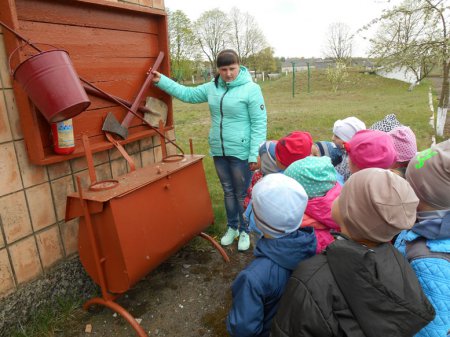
point(368, 97)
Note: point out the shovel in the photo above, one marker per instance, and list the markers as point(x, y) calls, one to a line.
point(111, 98)
point(111, 124)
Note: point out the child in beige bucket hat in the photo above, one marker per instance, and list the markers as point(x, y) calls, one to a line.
point(427, 244)
point(361, 285)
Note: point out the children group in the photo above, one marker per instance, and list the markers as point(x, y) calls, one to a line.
point(353, 236)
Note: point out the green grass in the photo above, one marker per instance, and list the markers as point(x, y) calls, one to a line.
point(51, 321)
point(368, 97)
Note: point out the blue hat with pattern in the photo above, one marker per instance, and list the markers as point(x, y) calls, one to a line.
point(330, 149)
point(267, 157)
point(316, 174)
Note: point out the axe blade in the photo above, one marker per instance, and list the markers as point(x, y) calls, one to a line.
point(111, 125)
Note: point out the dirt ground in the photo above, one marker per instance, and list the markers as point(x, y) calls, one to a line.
point(437, 83)
point(188, 295)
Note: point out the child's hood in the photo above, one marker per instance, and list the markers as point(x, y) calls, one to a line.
point(320, 207)
point(434, 228)
point(289, 250)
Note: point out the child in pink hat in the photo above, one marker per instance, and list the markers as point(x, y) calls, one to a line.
point(370, 149)
point(405, 145)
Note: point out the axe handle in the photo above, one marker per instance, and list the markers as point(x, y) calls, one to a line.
point(90, 90)
point(148, 81)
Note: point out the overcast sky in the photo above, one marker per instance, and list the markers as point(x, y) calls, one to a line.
point(294, 28)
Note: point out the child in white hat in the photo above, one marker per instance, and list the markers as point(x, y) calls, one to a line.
point(278, 205)
point(343, 131)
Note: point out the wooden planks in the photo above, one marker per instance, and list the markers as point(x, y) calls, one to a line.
point(85, 15)
point(111, 45)
point(85, 42)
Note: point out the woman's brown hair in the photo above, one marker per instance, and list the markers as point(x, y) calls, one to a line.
point(225, 58)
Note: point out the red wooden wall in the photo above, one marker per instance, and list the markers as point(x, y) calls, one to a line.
point(111, 45)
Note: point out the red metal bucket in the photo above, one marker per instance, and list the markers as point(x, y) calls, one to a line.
point(52, 84)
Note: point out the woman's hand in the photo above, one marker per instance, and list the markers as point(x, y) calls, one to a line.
point(156, 76)
point(253, 166)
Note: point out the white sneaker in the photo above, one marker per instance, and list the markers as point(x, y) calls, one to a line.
point(244, 241)
point(229, 236)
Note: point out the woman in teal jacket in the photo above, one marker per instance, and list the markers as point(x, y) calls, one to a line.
point(238, 127)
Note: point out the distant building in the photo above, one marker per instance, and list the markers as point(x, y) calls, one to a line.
point(399, 73)
point(301, 64)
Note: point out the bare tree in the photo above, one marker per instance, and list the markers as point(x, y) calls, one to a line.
point(211, 30)
point(339, 42)
point(245, 36)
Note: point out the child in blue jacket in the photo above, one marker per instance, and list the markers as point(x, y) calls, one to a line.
point(427, 244)
point(278, 206)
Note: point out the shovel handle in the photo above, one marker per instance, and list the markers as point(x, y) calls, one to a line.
point(92, 91)
point(148, 81)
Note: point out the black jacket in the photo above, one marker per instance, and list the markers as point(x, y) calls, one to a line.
point(352, 290)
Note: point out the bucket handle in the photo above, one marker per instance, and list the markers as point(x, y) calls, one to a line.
point(11, 71)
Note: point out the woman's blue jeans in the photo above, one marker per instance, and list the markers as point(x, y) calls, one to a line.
point(235, 176)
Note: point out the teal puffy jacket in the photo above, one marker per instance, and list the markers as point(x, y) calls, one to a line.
point(238, 113)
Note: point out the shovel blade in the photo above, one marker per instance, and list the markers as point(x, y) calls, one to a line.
point(111, 125)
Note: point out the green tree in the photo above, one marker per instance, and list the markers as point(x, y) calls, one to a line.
point(430, 38)
point(182, 43)
point(399, 43)
point(336, 75)
point(279, 61)
point(263, 61)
